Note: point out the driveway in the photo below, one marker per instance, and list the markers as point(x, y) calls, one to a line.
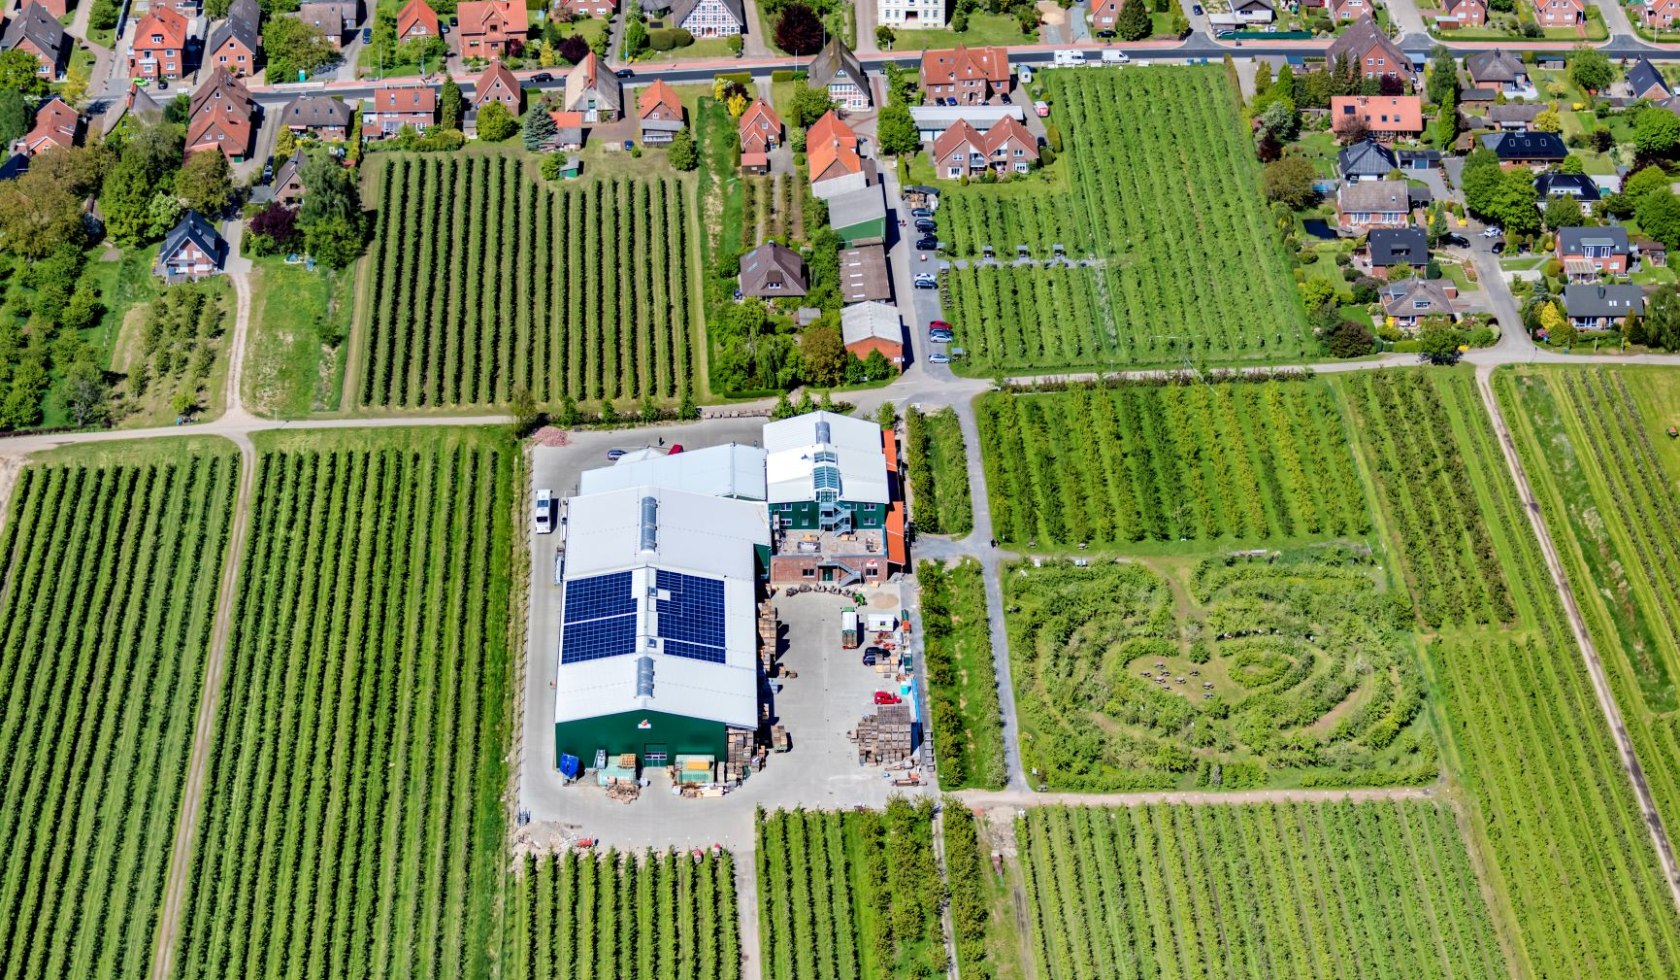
point(1615, 18)
point(1407, 17)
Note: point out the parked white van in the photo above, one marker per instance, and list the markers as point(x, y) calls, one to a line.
point(1112, 57)
point(1065, 59)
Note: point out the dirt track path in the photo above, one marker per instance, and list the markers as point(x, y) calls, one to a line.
point(1589, 652)
point(988, 798)
point(192, 796)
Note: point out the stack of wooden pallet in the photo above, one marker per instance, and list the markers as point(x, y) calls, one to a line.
point(738, 755)
point(767, 628)
point(883, 739)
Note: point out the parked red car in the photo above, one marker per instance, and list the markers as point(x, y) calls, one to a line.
point(887, 697)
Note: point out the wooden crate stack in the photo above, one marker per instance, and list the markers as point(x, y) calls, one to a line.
point(883, 738)
point(738, 755)
point(767, 628)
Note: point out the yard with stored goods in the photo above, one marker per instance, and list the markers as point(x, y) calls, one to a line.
point(1144, 462)
point(110, 564)
point(1303, 890)
point(480, 281)
point(353, 819)
point(1185, 263)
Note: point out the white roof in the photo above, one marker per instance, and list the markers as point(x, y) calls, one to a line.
point(719, 471)
point(861, 321)
point(793, 444)
point(694, 534)
point(981, 117)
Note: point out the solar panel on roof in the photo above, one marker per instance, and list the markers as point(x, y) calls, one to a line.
point(691, 621)
point(600, 618)
point(597, 638)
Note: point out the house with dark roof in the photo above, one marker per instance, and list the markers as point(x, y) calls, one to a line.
point(1501, 71)
point(192, 250)
point(1514, 117)
point(1526, 148)
point(1588, 252)
point(1388, 249)
point(1369, 204)
point(659, 113)
point(1601, 306)
point(1644, 81)
point(320, 116)
point(1461, 13)
point(288, 180)
point(36, 31)
point(328, 18)
point(772, 271)
point(594, 90)
point(837, 71)
point(710, 18)
point(1366, 160)
point(1409, 301)
point(1578, 186)
point(1370, 50)
point(235, 42)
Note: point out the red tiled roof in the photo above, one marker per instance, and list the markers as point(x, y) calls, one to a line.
point(493, 17)
point(659, 94)
point(405, 98)
point(830, 141)
point(992, 64)
point(417, 12)
point(1382, 113)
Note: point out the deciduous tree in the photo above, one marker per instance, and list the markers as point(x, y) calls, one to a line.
point(1289, 179)
point(205, 183)
point(799, 32)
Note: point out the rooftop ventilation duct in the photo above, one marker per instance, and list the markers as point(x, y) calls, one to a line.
point(650, 524)
point(644, 676)
point(822, 431)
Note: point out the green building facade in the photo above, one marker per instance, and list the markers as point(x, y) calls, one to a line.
point(655, 737)
point(808, 515)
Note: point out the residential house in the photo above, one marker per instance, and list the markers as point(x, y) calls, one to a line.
point(1390, 249)
point(1386, 117)
point(772, 271)
point(837, 71)
point(1650, 252)
point(1414, 160)
point(660, 113)
point(1644, 81)
point(755, 163)
point(160, 45)
point(912, 13)
point(57, 8)
point(1501, 71)
point(36, 31)
point(604, 9)
point(328, 18)
point(932, 120)
point(1599, 306)
point(1366, 160)
point(288, 180)
point(235, 42)
point(863, 274)
point(963, 151)
point(1105, 17)
point(1578, 186)
point(1514, 117)
point(594, 90)
point(831, 149)
point(497, 84)
point(394, 106)
point(1461, 13)
point(1526, 148)
point(873, 326)
point(138, 105)
point(1254, 11)
point(710, 18)
point(1588, 252)
point(1560, 13)
point(416, 21)
point(966, 76)
point(56, 125)
point(320, 116)
point(1343, 11)
point(568, 130)
point(1659, 14)
point(491, 28)
point(1372, 51)
point(1370, 204)
point(222, 116)
point(760, 128)
point(1409, 301)
point(859, 217)
point(192, 249)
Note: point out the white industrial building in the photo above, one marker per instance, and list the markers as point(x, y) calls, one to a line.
point(722, 471)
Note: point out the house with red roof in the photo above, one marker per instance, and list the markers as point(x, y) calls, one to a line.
point(1560, 13)
point(760, 128)
point(659, 113)
point(964, 151)
point(416, 21)
point(395, 106)
point(498, 84)
point(56, 125)
point(1461, 13)
point(587, 8)
point(966, 76)
point(160, 45)
point(831, 149)
point(222, 116)
point(1385, 116)
point(491, 28)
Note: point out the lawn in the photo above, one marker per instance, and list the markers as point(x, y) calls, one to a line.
point(289, 371)
point(707, 47)
point(110, 558)
point(983, 29)
point(962, 686)
point(1237, 671)
point(353, 822)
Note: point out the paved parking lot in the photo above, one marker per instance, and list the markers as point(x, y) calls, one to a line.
point(819, 706)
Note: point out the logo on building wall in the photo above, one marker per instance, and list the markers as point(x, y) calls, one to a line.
point(644, 725)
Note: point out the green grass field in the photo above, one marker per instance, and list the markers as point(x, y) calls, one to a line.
point(1165, 203)
point(962, 686)
point(1227, 462)
point(1595, 445)
point(480, 281)
point(1230, 673)
point(111, 557)
point(938, 464)
point(1344, 890)
point(289, 372)
point(623, 915)
point(853, 894)
point(353, 822)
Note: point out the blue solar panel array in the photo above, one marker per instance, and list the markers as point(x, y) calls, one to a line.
point(600, 618)
point(691, 621)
